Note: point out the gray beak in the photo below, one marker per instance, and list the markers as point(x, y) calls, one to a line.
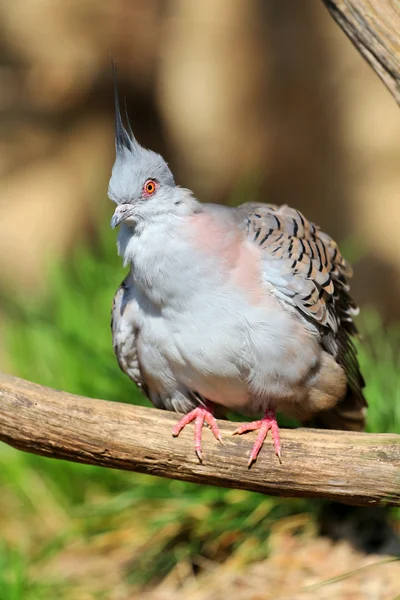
point(122, 212)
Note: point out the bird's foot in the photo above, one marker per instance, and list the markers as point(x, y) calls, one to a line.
point(199, 415)
point(268, 422)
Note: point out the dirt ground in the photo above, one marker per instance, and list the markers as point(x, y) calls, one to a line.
point(297, 568)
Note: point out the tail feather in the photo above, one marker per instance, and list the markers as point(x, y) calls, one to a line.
point(348, 415)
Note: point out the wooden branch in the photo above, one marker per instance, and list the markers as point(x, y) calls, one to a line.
point(356, 468)
point(374, 28)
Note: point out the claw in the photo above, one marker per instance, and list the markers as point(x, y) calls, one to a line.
point(250, 462)
point(263, 425)
point(199, 415)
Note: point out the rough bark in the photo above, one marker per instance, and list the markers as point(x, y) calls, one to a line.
point(355, 468)
point(374, 28)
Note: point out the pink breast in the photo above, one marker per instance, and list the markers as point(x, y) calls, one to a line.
point(233, 253)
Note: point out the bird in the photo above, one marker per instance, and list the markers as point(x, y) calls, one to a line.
point(247, 309)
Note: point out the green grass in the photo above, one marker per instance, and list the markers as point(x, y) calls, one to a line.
point(15, 581)
point(379, 353)
point(58, 517)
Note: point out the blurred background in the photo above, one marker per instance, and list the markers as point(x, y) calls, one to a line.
point(247, 100)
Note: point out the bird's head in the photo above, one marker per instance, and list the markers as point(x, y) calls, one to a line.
point(141, 183)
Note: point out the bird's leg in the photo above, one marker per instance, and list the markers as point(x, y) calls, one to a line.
point(268, 422)
point(199, 415)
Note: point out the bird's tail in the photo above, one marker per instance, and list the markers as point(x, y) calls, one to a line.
point(349, 414)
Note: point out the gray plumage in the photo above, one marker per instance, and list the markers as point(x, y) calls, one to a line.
point(247, 308)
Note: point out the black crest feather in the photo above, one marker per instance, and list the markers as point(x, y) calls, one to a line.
point(123, 139)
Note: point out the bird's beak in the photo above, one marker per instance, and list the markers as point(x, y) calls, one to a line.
point(122, 213)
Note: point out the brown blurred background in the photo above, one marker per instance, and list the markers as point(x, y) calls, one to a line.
point(246, 100)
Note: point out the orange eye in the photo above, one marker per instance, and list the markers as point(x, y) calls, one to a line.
point(149, 187)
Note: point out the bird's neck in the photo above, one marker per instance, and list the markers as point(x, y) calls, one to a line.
point(175, 257)
point(160, 258)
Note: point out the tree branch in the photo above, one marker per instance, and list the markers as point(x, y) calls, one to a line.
point(374, 28)
point(356, 468)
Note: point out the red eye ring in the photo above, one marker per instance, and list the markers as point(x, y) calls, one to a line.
point(149, 187)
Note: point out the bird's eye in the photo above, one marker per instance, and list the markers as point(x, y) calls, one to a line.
point(149, 187)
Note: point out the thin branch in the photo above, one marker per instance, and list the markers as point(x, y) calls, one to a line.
point(374, 28)
point(356, 468)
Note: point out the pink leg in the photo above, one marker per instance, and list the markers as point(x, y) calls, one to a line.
point(268, 422)
point(199, 415)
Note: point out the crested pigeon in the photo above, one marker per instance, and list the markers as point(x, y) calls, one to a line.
point(247, 308)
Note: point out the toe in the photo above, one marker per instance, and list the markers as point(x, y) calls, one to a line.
point(253, 426)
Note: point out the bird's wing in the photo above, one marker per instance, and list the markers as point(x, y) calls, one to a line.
point(304, 268)
point(124, 334)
